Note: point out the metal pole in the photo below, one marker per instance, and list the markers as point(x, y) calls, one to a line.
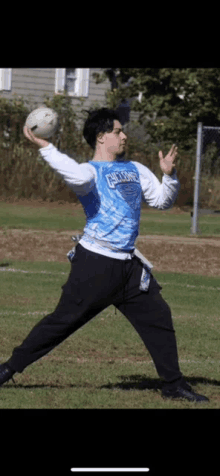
point(197, 180)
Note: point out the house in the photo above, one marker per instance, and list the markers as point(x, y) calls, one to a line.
point(34, 84)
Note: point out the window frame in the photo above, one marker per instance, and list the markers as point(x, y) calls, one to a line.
point(81, 83)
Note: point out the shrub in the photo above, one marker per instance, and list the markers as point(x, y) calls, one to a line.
point(24, 174)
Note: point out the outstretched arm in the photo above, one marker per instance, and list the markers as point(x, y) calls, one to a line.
point(79, 177)
point(156, 194)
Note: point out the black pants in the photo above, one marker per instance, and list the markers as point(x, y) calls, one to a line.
point(94, 283)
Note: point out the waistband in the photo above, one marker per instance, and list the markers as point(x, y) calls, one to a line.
point(104, 247)
point(147, 265)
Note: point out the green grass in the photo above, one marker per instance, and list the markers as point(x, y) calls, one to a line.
point(156, 222)
point(105, 364)
point(66, 218)
point(47, 218)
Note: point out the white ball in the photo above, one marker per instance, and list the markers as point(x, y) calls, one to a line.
point(43, 122)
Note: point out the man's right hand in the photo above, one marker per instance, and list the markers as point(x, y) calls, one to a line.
point(36, 140)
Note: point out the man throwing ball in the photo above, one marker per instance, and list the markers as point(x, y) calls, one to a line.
point(105, 268)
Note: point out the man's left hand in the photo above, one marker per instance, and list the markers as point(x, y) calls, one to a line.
point(167, 164)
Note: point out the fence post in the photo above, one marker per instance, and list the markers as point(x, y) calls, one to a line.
point(194, 228)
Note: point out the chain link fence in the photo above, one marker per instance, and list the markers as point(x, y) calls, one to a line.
point(210, 150)
point(207, 164)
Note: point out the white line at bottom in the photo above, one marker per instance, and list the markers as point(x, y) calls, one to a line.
point(110, 470)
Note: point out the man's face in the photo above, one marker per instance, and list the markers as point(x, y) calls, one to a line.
point(115, 141)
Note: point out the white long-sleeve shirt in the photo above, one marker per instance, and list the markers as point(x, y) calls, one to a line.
point(111, 194)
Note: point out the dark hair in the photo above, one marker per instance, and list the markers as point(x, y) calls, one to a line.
point(98, 120)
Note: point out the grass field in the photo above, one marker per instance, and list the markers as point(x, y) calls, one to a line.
point(63, 218)
point(104, 364)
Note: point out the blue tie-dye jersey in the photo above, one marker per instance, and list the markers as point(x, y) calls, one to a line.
point(113, 206)
point(111, 194)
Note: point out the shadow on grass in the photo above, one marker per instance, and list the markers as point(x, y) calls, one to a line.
point(45, 385)
point(135, 382)
point(139, 382)
point(127, 382)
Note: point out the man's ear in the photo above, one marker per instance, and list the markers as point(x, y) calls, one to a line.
point(100, 137)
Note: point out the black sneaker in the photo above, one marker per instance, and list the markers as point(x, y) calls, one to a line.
point(6, 373)
point(187, 394)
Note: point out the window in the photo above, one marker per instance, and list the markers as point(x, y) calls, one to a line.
point(5, 79)
point(75, 81)
point(71, 78)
